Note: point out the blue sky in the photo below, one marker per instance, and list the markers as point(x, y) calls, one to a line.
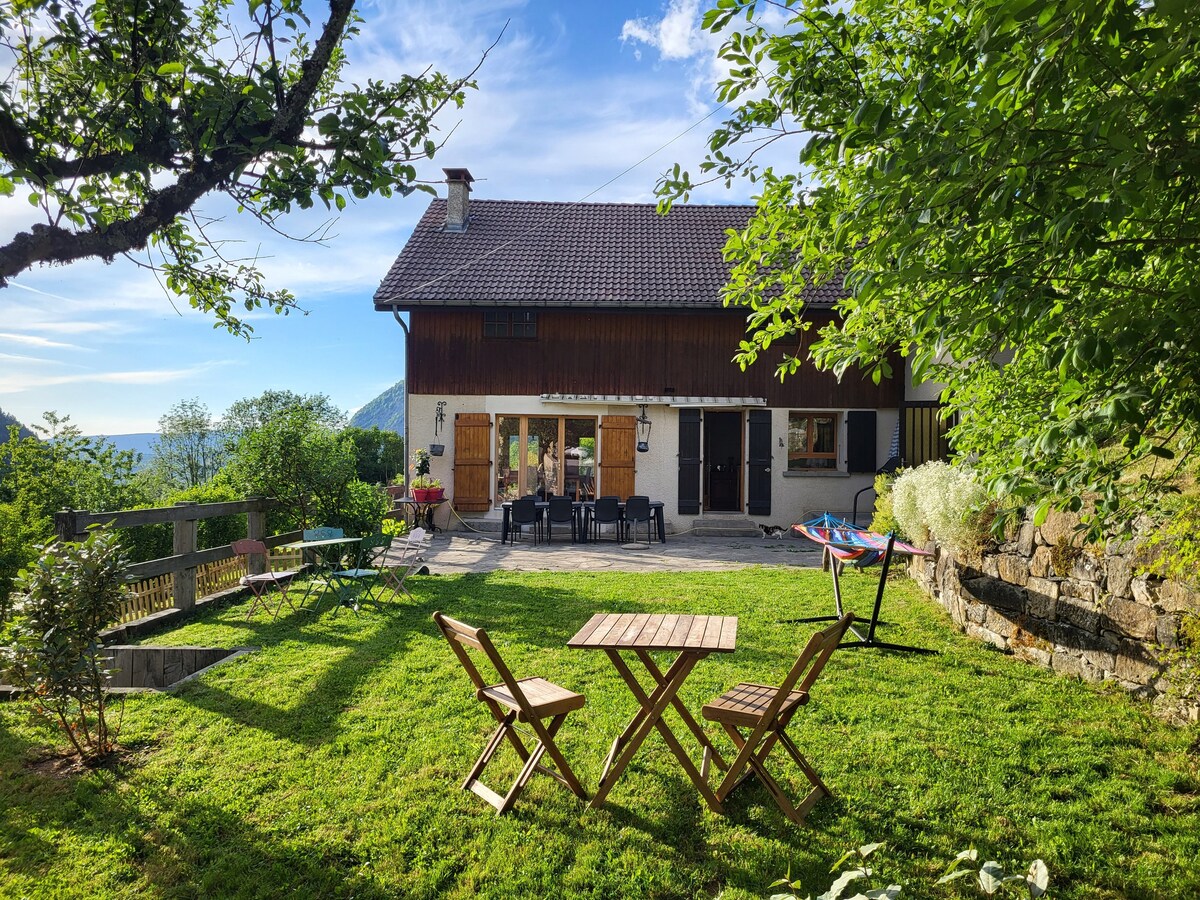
point(575, 93)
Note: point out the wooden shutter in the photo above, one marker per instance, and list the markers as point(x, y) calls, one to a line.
point(689, 462)
point(472, 462)
point(618, 443)
point(758, 461)
point(860, 440)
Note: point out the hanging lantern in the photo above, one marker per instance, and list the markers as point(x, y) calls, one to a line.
point(643, 431)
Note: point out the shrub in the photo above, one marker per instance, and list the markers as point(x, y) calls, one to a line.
point(942, 502)
point(360, 510)
point(884, 520)
point(52, 636)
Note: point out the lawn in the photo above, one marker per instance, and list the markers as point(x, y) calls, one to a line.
point(329, 763)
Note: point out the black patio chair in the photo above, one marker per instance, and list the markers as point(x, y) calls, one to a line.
point(606, 511)
point(637, 509)
point(524, 514)
point(561, 512)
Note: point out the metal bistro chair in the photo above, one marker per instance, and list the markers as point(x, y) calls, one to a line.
point(524, 513)
point(764, 712)
point(365, 574)
point(606, 511)
point(527, 701)
point(260, 584)
point(561, 512)
point(637, 509)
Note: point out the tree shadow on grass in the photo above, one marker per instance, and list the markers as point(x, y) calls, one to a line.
point(188, 848)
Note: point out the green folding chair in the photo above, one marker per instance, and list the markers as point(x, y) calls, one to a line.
point(355, 583)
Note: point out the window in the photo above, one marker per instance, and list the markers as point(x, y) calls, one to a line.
point(509, 324)
point(545, 455)
point(812, 441)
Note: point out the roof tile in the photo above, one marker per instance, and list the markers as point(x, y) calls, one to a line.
point(570, 254)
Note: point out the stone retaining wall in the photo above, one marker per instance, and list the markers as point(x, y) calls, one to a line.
point(1083, 611)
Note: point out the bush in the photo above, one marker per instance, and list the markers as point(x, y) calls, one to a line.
point(942, 502)
point(884, 520)
point(361, 509)
point(52, 636)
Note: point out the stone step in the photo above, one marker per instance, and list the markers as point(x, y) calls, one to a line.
point(725, 525)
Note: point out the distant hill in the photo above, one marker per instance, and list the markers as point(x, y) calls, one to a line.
point(385, 412)
point(7, 419)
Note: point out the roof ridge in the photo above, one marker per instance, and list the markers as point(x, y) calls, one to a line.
point(607, 203)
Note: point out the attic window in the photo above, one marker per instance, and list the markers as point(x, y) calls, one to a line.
point(506, 324)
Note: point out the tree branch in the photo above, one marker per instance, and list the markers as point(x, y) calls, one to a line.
point(54, 244)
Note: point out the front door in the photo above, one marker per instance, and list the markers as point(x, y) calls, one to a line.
point(723, 461)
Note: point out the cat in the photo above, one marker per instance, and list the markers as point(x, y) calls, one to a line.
point(776, 531)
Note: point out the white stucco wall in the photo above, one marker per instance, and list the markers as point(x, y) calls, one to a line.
point(794, 497)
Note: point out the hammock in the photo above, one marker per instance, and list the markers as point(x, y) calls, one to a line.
point(846, 543)
point(852, 544)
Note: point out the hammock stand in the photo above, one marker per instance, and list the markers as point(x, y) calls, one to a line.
point(841, 543)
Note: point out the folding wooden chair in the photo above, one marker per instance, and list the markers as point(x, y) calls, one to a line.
point(528, 701)
point(764, 712)
point(394, 574)
point(261, 583)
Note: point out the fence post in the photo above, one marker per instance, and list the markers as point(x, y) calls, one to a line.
point(256, 530)
point(184, 541)
point(64, 524)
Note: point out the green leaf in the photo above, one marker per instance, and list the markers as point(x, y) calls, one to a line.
point(171, 68)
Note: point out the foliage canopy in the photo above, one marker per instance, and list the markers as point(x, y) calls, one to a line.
point(1009, 189)
point(118, 117)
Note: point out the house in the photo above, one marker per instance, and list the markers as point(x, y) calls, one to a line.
point(549, 343)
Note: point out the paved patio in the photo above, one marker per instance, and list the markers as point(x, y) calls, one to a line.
point(457, 552)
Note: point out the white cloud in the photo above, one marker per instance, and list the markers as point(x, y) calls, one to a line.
point(14, 384)
point(677, 35)
point(34, 341)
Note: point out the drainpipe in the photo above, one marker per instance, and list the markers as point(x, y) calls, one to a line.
point(407, 449)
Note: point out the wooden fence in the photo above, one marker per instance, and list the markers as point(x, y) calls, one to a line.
point(158, 593)
point(176, 580)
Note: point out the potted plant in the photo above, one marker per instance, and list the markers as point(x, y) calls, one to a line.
point(434, 489)
point(420, 488)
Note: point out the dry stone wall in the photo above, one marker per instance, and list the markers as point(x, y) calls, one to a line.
point(1082, 611)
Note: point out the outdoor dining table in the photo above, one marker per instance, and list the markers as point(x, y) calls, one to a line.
point(692, 638)
point(543, 506)
point(320, 549)
point(656, 510)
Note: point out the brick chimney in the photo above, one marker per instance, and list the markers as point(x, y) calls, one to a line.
point(458, 198)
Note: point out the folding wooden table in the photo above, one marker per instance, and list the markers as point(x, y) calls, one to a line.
point(692, 638)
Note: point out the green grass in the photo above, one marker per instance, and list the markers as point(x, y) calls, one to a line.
point(329, 763)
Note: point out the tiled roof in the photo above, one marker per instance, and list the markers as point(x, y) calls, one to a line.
point(564, 254)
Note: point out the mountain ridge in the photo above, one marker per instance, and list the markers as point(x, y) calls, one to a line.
point(385, 411)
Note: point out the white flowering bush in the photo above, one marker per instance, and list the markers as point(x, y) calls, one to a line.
point(940, 501)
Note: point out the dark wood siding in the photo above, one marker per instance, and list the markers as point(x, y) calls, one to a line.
point(620, 352)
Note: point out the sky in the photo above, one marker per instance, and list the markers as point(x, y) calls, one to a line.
point(574, 94)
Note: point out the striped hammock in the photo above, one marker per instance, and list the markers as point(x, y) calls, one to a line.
point(850, 543)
